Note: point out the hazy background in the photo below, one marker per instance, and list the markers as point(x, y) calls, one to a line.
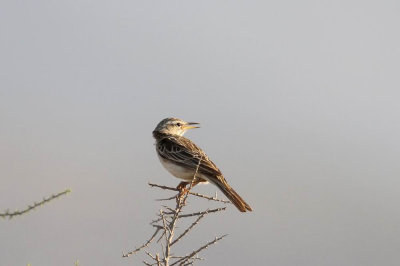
point(299, 105)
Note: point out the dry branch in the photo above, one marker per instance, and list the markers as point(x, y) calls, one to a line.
point(188, 229)
point(186, 258)
point(166, 228)
point(167, 221)
point(142, 246)
point(10, 215)
point(191, 193)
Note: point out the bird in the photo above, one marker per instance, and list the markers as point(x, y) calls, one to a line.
point(183, 159)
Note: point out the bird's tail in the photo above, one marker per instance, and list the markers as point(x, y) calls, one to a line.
point(234, 197)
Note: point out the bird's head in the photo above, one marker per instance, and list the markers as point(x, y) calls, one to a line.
point(174, 126)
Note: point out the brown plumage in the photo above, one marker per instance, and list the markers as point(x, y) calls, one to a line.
point(181, 157)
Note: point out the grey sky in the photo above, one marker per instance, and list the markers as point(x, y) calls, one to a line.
point(299, 105)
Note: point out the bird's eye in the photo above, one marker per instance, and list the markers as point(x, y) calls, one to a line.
point(178, 124)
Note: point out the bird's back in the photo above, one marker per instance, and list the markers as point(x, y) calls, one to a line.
point(183, 151)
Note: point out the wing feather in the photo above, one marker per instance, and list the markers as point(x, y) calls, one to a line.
point(184, 152)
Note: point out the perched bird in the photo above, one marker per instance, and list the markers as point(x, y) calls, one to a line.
point(181, 157)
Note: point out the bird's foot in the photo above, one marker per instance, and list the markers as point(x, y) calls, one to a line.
point(182, 186)
point(180, 198)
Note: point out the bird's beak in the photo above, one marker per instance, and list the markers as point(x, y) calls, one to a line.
point(190, 125)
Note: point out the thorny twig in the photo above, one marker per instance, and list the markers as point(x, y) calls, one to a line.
point(144, 245)
point(166, 227)
point(191, 193)
point(192, 214)
point(10, 215)
point(187, 257)
point(189, 228)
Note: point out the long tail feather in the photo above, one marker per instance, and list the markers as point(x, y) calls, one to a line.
point(234, 197)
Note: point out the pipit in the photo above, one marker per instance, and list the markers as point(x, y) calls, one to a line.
point(183, 159)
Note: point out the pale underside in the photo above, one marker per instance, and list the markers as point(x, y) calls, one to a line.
point(181, 172)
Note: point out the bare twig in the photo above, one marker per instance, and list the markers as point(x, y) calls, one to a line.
point(201, 213)
point(142, 246)
point(191, 193)
point(150, 255)
point(192, 214)
point(187, 257)
point(167, 233)
point(158, 260)
point(188, 229)
point(162, 187)
point(209, 198)
point(148, 264)
point(166, 223)
point(10, 215)
point(181, 257)
point(166, 199)
point(168, 218)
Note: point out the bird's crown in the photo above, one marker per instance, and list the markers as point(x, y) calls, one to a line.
point(174, 126)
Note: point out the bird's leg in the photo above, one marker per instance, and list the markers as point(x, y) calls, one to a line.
point(182, 186)
point(182, 189)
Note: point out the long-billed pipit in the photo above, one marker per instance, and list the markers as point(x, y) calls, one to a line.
point(182, 158)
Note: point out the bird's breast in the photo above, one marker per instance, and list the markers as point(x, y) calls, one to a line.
point(177, 170)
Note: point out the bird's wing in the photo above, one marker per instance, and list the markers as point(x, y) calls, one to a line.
point(184, 152)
